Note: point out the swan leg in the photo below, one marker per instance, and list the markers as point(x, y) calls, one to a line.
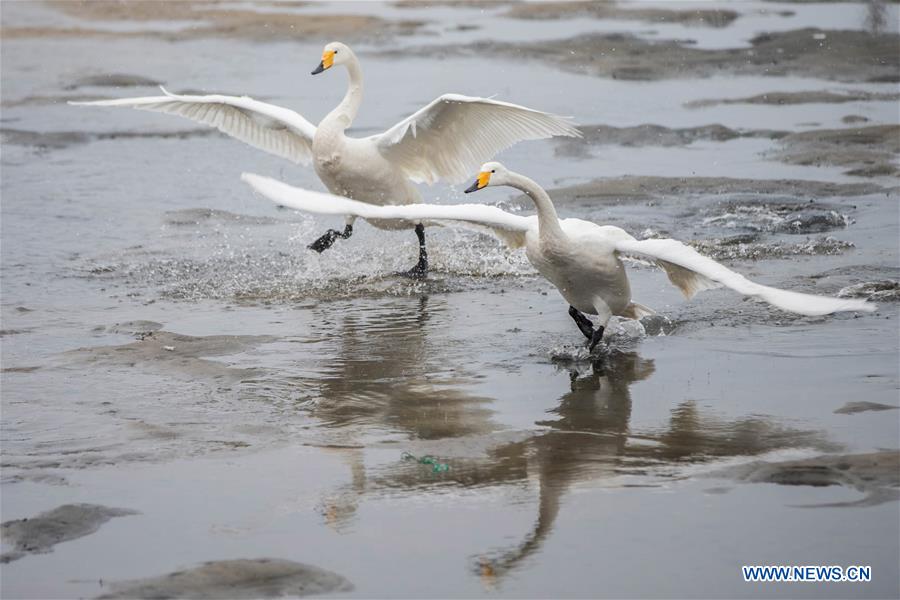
point(603, 316)
point(587, 328)
point(420, 271)
point(325, 241)
point(584, 324)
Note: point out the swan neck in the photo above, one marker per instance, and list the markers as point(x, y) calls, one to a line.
point(345, 112)
point(548, 220)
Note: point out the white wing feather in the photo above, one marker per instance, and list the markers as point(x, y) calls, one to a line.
point(692, 272)
point(454, 135)
point(510, 228)
point(271, 128)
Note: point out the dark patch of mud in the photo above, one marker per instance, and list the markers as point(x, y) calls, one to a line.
point(198, 216)
point(176, 352)
point(778, 217)
point(612, 10)
point(58, 140)
point(116, 80)
point(733, 248)
point(48, 478)
point(831, 55)
point(138, 329)
point(879, 170)
point(38, 535)
point(653, 135)
point(31, 369)
point(877, 474)
point(871, 151)
point(6, 332)
point(237, 579)
point(852, 408)
point(640, 188)
point(809, 97)
point(205, 19)
point(875, 276)
point(884, 290)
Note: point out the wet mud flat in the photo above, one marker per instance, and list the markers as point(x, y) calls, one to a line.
point(259, 578)
point(876, 474)
point(40, 533)
point(846, 56)
point(191, 20)
point(195, 405)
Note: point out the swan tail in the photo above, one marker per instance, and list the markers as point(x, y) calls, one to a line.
point(688, 281)
point(637, 311)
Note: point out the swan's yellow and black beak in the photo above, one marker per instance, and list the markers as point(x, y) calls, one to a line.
point(480, 182)
point(326, 63)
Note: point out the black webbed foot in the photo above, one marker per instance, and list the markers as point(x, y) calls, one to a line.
point(584, 324)
point(596, 337)
point(327, 240)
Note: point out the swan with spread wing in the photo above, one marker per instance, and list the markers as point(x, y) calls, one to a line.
point(447, 139)
point(582, 259)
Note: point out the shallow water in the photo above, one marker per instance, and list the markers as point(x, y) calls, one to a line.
point(170, 347)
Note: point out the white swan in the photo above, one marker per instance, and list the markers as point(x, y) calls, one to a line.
point(582, 259)
point(447, 139)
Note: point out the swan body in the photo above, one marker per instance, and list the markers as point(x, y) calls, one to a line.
point(584, 252)
point(582, 259)
point(447, 139)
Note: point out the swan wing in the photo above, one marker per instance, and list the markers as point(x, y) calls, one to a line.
point(508, 227)
point(276, 130)
point(692, 272)
point(454, 135)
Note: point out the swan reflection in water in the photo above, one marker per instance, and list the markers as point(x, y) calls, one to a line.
point(590, 439)
point(389, 375)
point(386, 379)
point(589, 433)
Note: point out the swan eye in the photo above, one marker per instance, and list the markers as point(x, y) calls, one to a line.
point(493, 170)
point(335, 51)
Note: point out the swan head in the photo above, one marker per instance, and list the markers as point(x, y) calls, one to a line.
point(492, 173)
point(334, 53)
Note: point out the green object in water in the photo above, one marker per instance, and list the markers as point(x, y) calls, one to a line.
point(436, 467)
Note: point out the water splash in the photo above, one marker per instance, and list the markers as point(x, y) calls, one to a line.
point(231, 257)
point(622, 335)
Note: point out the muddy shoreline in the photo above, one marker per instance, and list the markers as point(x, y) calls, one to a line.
point(40, 533)
point(203, 20)
point(848, 56)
